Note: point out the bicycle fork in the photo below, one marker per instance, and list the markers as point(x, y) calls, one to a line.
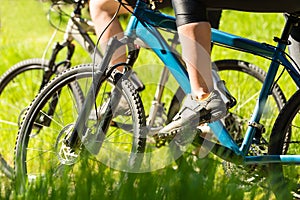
point(52, 67)
point(93, 142)
point(50, 70)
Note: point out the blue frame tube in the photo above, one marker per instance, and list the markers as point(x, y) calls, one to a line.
point(154, 40)
point(147, 32)
point(266, 159)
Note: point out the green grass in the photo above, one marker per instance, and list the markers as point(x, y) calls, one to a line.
point(257, 26)
point(20, 31)
point(25, 33)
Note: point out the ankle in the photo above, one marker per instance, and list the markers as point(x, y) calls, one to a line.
point(201, 96)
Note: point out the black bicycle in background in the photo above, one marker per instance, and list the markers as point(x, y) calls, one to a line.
point(22, 82)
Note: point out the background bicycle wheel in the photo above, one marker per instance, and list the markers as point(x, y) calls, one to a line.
point(17, 91)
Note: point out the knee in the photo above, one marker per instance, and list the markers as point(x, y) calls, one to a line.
point(100, 8)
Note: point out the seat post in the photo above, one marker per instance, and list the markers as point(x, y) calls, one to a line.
point(292, 20)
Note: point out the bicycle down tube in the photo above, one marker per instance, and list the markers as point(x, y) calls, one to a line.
point(147, 32)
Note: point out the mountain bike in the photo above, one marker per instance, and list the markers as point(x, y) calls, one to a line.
point(123, 140)
point(21, 82)
point(32, 74)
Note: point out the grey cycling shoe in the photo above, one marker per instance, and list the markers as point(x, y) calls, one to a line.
point(193, 113)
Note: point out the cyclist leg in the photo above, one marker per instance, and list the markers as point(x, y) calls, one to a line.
point(194, 30)
point(102, 12)
point(204, 104)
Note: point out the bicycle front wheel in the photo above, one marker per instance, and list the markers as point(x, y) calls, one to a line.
point(41, 144)
point(285, 178)
point(18, 86)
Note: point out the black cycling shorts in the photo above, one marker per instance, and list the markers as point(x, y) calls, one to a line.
point(188, 11)
point(164, 4)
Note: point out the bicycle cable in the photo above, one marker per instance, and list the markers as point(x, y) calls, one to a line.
point(60, 12)
point(142, 21)
point(48, 46)
point(95, 51)
point(295, 65)
point(52, 36)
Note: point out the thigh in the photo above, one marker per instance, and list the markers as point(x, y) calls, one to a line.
point(107, 6)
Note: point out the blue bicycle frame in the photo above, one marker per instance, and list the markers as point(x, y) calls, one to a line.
point(143, 25)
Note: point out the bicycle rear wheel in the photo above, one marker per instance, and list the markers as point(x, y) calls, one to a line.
point(18, 86)
point(244, 81)
point(40, 145)
point(285, 178)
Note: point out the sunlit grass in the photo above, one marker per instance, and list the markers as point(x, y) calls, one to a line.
point(25, 32)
